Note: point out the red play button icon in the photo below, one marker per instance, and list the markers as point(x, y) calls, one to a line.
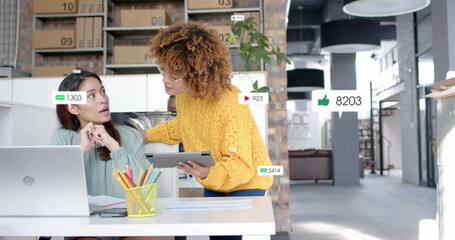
point(246, 98)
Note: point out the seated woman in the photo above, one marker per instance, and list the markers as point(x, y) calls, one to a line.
point(106, 146)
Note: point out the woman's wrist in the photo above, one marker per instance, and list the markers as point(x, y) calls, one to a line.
point(114, 146)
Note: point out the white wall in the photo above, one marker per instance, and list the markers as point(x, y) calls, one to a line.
point(6, 127)
point(392, 132)
point(297, 110)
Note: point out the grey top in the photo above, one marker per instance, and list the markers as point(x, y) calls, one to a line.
point(100, 180)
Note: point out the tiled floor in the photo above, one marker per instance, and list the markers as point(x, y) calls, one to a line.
point(381, 208)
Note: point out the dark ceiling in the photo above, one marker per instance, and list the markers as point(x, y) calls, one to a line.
point(304, 19)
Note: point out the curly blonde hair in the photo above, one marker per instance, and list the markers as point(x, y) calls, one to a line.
point(196, 52)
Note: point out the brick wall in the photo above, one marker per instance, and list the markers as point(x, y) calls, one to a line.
point(275, 29)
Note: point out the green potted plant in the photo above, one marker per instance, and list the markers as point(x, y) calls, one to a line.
point(253, 46)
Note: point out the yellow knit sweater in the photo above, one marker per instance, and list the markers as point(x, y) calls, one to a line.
point(225, 128)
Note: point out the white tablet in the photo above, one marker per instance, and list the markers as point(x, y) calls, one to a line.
point(171, 159)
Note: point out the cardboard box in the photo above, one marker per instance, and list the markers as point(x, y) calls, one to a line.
point(54, 71)
point(97, 32)
point(223, 32)
point(132, 55)
point(43, 39)
point(209, 4)
point(82, 6)
point(255, 15)
point(80, 32)
point(98, 6)
point(54, 6)
point(144, 18)
point(88, 32)
point(90, 6)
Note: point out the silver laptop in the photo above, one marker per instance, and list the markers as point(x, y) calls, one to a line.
point(42, 181)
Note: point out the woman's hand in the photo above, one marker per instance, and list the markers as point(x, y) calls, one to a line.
point(87, 141)
point(104, 139)
point(96, 134)
point(194, 169)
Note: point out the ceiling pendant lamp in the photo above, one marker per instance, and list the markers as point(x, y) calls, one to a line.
point(305, 80)
point(350, 35)
point(382, 8)
point(295, 96)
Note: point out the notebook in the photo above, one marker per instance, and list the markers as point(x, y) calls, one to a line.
point(42, 181)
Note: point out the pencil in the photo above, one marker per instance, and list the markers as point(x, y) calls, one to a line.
point(139, 178)
point(157, 175)
point(125, 178)
point(149, 181)
point(147, 176)
point(119, 180)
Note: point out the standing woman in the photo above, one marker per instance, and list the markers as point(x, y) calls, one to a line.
point(196, 67)
point(106, 147)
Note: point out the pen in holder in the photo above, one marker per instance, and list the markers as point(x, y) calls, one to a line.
point(141, 201)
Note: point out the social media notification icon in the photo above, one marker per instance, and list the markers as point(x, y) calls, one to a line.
point(340, 101)
point(253, 98)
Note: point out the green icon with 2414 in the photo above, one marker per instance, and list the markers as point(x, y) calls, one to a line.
point(324, 101)
point(60, 97)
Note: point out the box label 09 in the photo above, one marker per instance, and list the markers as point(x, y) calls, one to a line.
point(69, 97)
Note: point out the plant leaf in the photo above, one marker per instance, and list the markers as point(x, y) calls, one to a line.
point(255, 85)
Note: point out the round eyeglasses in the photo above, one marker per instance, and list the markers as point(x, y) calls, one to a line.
point(171, 79)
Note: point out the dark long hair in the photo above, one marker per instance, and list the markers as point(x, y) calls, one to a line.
point(70, 121)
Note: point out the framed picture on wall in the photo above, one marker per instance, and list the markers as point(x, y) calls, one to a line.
point(296, 118)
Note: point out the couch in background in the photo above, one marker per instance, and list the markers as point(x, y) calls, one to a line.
point(310, 164)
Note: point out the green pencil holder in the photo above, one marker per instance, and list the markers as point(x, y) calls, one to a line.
point(141, 201)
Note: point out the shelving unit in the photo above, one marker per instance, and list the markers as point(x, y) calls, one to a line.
point(366, 143)
point(43, 21)
point(114, 34)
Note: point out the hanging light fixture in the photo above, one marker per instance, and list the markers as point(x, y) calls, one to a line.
point(350, 35)
point(382, 8)
point(295, 96)
point(305, 80)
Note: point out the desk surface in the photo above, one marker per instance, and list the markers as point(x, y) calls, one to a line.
point(258, 220)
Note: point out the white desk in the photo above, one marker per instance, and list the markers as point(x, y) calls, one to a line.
point(255, 223)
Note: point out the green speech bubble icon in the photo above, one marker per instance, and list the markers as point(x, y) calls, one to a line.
point(263, 170)
point(60, 97)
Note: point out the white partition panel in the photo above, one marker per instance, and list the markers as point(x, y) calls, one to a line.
point(127, 93)
point(157, 97)
point(35, 91)
point(244, 81)
point(6, 90)
point(33, 125)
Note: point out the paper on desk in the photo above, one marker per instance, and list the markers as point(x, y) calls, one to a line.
point(103, 200)
point(210, 205)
